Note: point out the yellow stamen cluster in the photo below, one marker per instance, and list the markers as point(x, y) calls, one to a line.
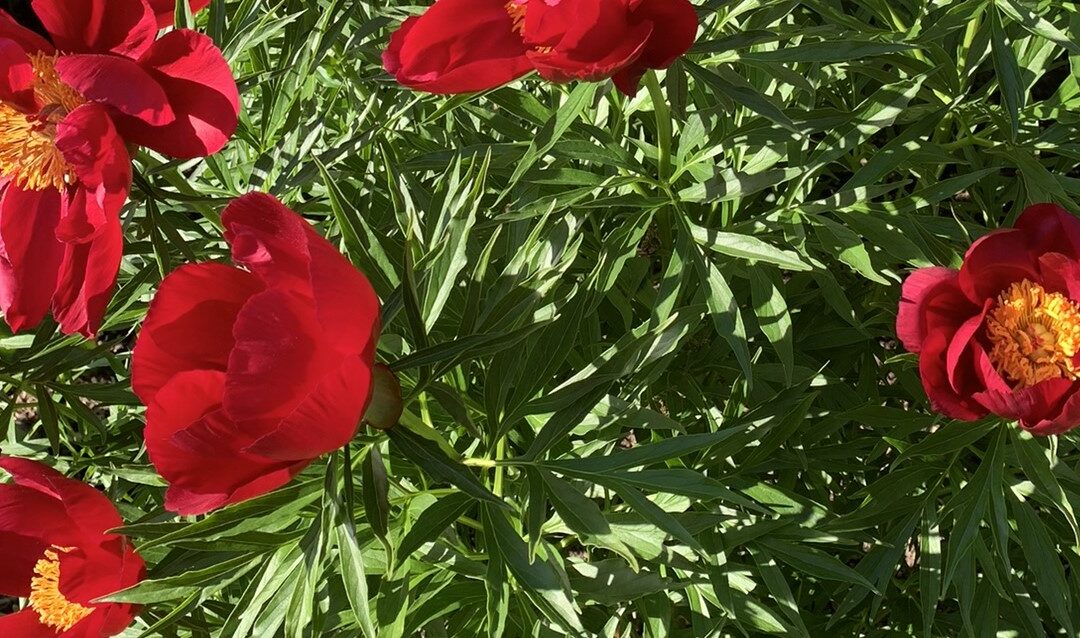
point(28, 153)
point(517, 14)
point(1035, 335)
point(52, 607)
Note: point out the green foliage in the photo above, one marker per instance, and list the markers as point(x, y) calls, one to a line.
point(646, 344)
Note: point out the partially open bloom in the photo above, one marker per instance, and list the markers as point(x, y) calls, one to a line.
point(1002, 334)
point(71, 107)
point(461, 46)
point(57, 554)
point(251, 372)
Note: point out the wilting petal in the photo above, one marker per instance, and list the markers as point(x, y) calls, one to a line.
point(30, 255)
point(165, 10)
point(18, 76)
point(91, 510)
point(198, 449)
point(286, 251)
point(96, 152)
point(201, 92)
point(87, 277)
point(119, 82)
point(189, 325)
point(126, 27)
point(325, 420)
point(457, 46)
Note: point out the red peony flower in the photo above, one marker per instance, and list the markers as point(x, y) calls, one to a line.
point(70, 107)
point(1002, 334)
point(460, 46)
point(250, 374)
point(56, 553)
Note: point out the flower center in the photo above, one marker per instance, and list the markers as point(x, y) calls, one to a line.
point(1035, 335)
point(52, 607)
point(28, 153)
point(516, 11)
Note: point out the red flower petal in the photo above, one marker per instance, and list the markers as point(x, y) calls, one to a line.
point(18, 554)
point(675, 25)
point(457, 46)
point(287, 253)
point(930, 297)
point(30, 255)
point(94, 570)
point(91, 510)
point(935, 380)
point(126, 27)
point(1041, 402)
point(189, 325)
point(1050, 229)
point(201, 92)
point(326, 420)
point(993, 262)
point(29, 41)
point(276, 360)
point(959, 363)
point(25, 624)
point(165, 10)
point(1067, 419)
point(95, 151)
point(198, 449)
point(17, 80)
point(27, 512)
point(119, 82)
point(87, 276)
